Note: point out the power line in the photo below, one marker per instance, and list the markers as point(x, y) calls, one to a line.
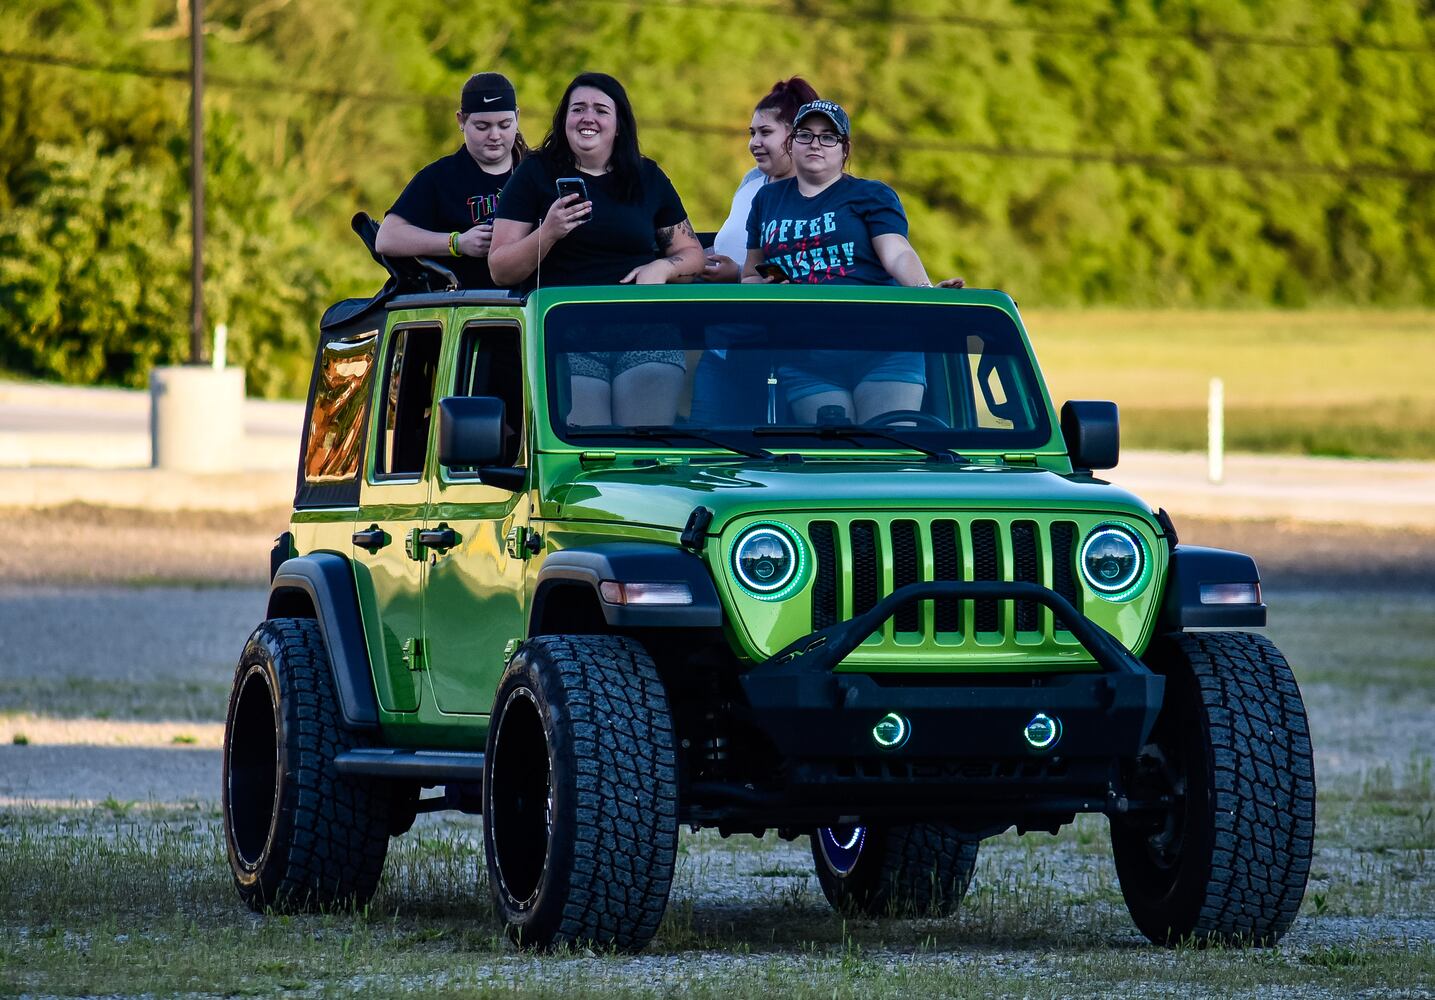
point(1158, 161)
point(1091, 29)
point(228, 82)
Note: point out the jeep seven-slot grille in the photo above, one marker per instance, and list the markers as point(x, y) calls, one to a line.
point(856, 561)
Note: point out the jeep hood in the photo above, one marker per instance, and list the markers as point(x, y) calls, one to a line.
point(664, 495)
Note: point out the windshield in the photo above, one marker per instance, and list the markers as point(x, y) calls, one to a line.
point(751, 376)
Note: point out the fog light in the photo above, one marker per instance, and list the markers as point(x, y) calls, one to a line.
point(1042, 731)
point(891, 731)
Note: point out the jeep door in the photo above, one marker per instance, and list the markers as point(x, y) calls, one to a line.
point(473, 598)
point(389, 558)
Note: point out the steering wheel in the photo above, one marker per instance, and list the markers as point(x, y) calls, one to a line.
point(919, 417)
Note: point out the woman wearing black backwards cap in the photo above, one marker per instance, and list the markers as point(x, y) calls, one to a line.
point(447, 209)
point(824, 226)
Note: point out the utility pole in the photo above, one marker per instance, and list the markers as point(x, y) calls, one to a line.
point(196, 181)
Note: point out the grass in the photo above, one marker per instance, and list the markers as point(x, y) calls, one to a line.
point(1317, 382)
point(1044, 918)
point(129, 897)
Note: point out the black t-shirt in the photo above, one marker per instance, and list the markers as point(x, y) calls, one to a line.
point(620, 236)
point(453, 194)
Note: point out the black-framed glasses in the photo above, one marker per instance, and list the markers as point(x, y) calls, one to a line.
point(806, 138)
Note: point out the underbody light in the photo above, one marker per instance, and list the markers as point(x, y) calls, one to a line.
point(1230, 593)
point(616, 592)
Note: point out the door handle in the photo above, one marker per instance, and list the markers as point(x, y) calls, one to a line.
point(442, 537)
point(372, 538)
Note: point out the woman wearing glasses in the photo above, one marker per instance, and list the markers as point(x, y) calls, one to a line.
point(824, 226)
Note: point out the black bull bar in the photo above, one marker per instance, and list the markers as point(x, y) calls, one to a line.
point(811, 712)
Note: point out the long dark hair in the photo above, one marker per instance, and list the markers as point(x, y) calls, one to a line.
point(627, 160)
point(785, 97)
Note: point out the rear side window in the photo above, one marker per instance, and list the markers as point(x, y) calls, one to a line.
point(407, 402)
point(334, 444)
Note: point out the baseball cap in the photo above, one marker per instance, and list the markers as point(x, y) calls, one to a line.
point(830, 110)
point(488, 92)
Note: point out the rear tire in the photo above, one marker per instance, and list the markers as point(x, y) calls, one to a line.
point(300, 835)
point(580, 796)
point(921, 869)
point(1230, 860)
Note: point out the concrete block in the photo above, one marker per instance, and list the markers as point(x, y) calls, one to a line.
point(197, 418)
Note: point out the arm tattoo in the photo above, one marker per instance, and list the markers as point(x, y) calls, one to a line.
point(666, 234)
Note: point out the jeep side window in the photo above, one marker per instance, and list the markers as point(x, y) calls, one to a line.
point(336, 421)
point(407, 402)
point(490, 364)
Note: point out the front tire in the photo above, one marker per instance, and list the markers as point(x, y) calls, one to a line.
point(580, 797)
point(920, 869)
point(1229, 861)
point(300, 835)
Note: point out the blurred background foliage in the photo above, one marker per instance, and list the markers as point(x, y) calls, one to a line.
point(1152, 153)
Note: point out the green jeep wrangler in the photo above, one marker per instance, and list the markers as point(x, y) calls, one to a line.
point(598, 563)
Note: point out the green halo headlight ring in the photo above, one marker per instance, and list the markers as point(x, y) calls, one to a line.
point(769, 561)
point(891, 731)
point(1127, 584)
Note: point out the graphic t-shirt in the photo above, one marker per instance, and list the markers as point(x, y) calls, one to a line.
point(453, 194)
point(826, 239)
point(619, 236)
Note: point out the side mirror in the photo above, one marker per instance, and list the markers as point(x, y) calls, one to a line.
point(470, 431)
point(1092, 431)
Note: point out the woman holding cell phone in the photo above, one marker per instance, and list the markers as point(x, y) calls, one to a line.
point(587, 208)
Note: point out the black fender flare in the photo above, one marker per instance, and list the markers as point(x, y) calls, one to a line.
point(1192, 566)
point(327, 580)
point(634, 562)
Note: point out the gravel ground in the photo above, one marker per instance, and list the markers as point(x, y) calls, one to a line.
point(108, 674)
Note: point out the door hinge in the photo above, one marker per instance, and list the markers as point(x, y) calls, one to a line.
point(413, 547)
point(523, 541)
point(415, 655)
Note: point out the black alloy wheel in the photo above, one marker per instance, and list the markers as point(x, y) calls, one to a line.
point(918, 869)
point(580, 797)
point(299, 835)
point(1228, 861)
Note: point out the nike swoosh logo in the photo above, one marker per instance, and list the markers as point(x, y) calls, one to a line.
point(490, 100)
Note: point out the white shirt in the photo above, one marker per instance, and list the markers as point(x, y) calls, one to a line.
point(731, 240)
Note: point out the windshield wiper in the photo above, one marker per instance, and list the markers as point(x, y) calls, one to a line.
point(846, 432)
point(658, 432)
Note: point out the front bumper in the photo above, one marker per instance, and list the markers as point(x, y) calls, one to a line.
point(966, 734)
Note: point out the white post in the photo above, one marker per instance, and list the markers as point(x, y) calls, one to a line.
point(221, 345)
point(1216, 432)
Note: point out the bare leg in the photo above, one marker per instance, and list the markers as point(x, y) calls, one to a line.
point(804, 410)
point(647, 394)
point(592, 402)
point(876, 398)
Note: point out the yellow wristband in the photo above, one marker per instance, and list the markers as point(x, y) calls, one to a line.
point(453, 245)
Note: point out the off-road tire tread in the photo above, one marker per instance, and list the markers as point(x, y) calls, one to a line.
point(333, 829)
point(1263, 784)
point(624, 786)
point(924, 870)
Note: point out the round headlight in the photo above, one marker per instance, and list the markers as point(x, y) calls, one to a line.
point(764, 559)
point(1112, 559)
